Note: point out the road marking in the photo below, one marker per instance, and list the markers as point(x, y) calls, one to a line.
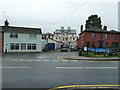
point(46, 60)
point(55, 60)
point(39, 57)
point(21, 60)
point(73, 86)
point(29, 60)
point(15, 59)
point(14, 67)
point(86, 67)
point(37, 60)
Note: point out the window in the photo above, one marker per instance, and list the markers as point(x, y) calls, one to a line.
point(93, 35)
point(106, 36)
point(31, 46)
point(101, 36)
point(32, 36)
point(13, 35)
point(106, 44)
point(14, 46)
point(115, 37)
point(87, 44)
point(23, 46)
point(63, 38)
point(66, 38)
point(93, 44)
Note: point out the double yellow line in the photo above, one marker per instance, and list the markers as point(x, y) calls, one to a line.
point(73, 86)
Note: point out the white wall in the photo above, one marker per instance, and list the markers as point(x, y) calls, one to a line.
point(22, 38)
point(44, 42)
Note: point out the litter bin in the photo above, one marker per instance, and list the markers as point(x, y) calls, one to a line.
point(80, 52)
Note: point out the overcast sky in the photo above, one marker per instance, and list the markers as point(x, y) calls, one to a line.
point(52, 14)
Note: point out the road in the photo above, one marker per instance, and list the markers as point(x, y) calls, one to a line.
point(44, 70)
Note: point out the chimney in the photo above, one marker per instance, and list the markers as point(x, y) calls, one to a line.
point(6, 23)
point(105, 28)
point(69, 28)
point(62, 28)
point(81, 28)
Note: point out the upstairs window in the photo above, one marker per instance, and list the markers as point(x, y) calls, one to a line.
point(115, 37)
point(106, 36)
point(32, 36)
point(101, 36)
point(13, 35)
point(93, 35)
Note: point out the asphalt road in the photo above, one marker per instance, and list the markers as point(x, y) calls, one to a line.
point(44, 70)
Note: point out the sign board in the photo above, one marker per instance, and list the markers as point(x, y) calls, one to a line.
point(85, 48)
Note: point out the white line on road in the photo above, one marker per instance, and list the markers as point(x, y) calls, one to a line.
point(39, 57)
point(55, 60)
point(46, 60)
point(14, 67)
point(29, 60)
point(86, 67)
point(37, 60)
point(21, 60)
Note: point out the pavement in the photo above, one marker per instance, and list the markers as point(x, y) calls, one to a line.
point(89, 58)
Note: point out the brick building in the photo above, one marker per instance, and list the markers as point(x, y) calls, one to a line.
point(98, 38)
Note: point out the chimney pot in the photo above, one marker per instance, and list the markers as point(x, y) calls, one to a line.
point(105, 28)
point(6, 23)
point(81, 28)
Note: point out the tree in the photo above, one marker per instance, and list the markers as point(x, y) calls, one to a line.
point(93, 21)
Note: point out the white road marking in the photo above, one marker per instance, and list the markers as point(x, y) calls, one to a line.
point(39, 57)
point(29, 60)
point(21, 60)
point(86, 67)
point(15, 59)
point(14, 67)
point(37, 60)
point(46, 60)
point(55, 60)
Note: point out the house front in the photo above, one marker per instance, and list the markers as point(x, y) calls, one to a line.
point(21, 39)
point(98, 38)
point(65, 37)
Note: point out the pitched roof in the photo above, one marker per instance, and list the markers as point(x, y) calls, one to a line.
point(13, 29)
point(95, 29)
point(71, 31)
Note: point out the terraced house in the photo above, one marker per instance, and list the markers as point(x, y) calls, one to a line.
point(20, 39)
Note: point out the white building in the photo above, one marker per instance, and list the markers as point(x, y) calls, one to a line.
point(66, 37)
point(21, 39)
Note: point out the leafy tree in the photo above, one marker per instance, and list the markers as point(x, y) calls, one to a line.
point(93, 21)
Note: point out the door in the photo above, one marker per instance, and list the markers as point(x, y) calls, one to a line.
point(51, 46)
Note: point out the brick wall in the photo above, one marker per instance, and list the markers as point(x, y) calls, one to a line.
point(87, 37)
